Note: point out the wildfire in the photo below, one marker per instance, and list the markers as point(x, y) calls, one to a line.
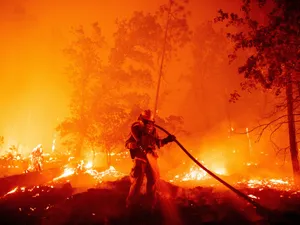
point(14, 190)
point(193, 175)
point(278, 184)
point(196, 174)
point(110, 173)
point(32, 189)
point(67, 172)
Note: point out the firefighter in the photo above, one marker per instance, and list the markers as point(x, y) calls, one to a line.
point(142, 144)
point(37, 158)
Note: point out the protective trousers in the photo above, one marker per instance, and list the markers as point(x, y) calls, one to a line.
point(138, 172)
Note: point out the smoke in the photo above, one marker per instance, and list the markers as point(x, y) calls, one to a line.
point(35, 93)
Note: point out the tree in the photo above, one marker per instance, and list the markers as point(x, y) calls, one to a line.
point(108, 97)
point(139, 44)
point(1, 141)
point(84, 72)
point(209, 50)
point(133, 62)
point(274, 61)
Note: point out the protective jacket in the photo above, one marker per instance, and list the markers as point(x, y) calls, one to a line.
point(141, 142)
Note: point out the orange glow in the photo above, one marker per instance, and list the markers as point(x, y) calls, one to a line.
point(35, 95)
point(195, 174)
point(67, 172)
point(87, 168)
point(32, 81)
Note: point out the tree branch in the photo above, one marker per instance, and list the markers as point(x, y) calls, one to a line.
point(265, 125)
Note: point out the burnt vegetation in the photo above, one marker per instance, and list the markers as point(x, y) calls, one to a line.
point(111, 85)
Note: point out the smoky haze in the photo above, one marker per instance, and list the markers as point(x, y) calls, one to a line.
point(34, 89)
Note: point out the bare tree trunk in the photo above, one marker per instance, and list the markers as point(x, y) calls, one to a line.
point(292, 131)
point(94, 155)
point(108, 158)
point(1, 142)
point(162, 58)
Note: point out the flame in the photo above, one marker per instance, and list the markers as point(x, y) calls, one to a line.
point(196, 174)
point(89, 165)
point(53, 143)
point(193, 174)
point(12, 191)
point(67, 172)
point(110, 173)
point(278, 184)
point(253, 196)
point(87, 168)
point(17, 189)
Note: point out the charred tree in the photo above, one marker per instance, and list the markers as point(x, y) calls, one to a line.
point(163, 57)
point(1, 141)
point(292, 130)
point(108, 158)
point(273, 45)
point(83, 72)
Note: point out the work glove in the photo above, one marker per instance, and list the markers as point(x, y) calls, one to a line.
point(169, 139)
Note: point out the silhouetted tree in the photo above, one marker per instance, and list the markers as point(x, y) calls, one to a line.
point(134, 61)
point(1, 141)
point(209, 49)
point(84, 72)
point(274, 62)
point(108, 98)
point(139, 45)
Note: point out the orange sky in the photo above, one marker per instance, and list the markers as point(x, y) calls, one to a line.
point(33, 89)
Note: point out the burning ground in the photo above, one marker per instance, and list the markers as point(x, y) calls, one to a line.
point(83, 194)
point(112, 58)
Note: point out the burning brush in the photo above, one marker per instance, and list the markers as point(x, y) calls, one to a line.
point(87, 168)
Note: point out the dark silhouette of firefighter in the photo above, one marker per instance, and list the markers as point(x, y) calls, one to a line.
point(143, 144)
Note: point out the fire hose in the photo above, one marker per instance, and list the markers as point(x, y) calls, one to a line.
point(260, 209)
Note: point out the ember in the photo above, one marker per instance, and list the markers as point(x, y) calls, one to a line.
point(67, 172)
point(196, 174)
point(279, 184)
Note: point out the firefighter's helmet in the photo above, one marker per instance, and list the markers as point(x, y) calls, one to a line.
point(147, 115)
point(38, 149)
